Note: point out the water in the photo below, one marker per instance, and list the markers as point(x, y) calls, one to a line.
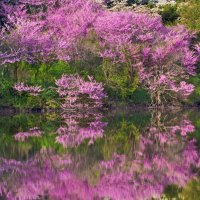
point(120, 154)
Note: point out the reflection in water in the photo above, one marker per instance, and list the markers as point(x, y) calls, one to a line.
point(72, 134)
point(33, 132)
point(107, 165)
point(160, 159)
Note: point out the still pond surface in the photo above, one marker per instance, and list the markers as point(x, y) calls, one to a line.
point(120, 155)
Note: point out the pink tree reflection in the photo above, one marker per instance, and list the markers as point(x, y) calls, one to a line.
point(160, 158)
point(72, 134)
point(33, 132)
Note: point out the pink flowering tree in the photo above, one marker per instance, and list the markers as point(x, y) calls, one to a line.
point(74, 91)
point(158, 56)
point(165, 69)
point(23, 38)
point(47, 35)
point(40, 31)
point(78, 93)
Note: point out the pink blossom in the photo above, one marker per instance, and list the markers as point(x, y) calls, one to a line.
point(190, 59)
point(183, 88)
point(32, 90)
point(73, 86)
point(162, 79)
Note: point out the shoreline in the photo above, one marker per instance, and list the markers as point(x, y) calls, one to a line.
point(121, 107)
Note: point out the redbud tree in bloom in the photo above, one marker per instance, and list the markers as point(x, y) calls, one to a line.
point(47, 35)
point(156, 57)
point(161, 57)
point(78, 93)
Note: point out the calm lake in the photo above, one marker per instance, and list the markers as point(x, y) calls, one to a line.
point(121, 154)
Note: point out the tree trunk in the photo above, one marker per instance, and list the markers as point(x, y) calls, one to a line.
point(158, 99)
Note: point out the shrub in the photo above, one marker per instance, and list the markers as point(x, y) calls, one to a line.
point(169, 14)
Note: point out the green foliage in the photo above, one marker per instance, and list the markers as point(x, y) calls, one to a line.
point(117, 79)
point(140, 96)
point(169, 14)
point(172, 192)
point(130, 2)
point(195, 96)
point(151, 5)
point(191, 191)
point(189, 13)
point(43, 74)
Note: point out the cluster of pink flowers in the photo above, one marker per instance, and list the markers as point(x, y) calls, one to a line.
point(183, 88)
point(168, 85)
point(33, 132)
point(48, 35)
point(37, 2)
point(71, 87)
point(32, 90)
